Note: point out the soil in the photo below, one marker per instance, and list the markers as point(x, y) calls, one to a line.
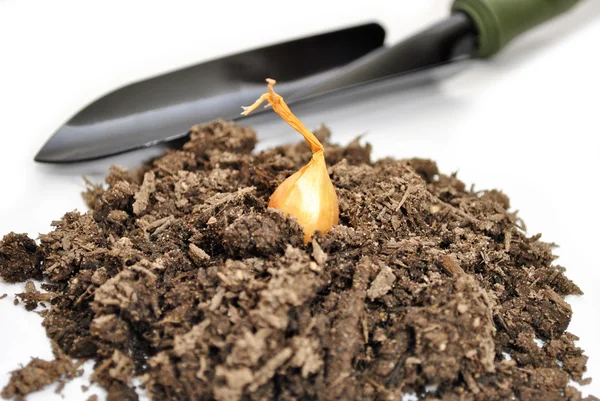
point(180, 276)
point(39, 373)
point(19, 259)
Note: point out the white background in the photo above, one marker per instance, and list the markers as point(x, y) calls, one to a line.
point(526, 122)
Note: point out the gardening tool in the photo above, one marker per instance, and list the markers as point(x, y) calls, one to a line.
point(163, 108)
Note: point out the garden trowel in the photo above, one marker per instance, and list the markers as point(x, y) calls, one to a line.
point(163, 108)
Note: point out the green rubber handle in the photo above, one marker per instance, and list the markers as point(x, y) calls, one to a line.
point(500, 21)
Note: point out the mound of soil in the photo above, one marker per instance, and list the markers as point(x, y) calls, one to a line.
point(180, 276)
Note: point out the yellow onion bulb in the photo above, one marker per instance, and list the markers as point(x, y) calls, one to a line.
point(308, 194)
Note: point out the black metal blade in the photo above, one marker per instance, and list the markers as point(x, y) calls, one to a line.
point(165, 107)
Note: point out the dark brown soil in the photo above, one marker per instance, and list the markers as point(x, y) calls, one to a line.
point(19, 259)
point(181, 276)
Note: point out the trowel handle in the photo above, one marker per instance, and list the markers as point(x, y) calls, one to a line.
point(500, 21)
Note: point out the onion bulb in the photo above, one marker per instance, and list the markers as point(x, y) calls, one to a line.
point(308, 195)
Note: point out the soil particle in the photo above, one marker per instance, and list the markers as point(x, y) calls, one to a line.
point(262, 234)
point(382, 284)
point(19, 258)
point(32, 297)
point(39, 373)
point(198, 256)
point(180, 276)
point(142, 197)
